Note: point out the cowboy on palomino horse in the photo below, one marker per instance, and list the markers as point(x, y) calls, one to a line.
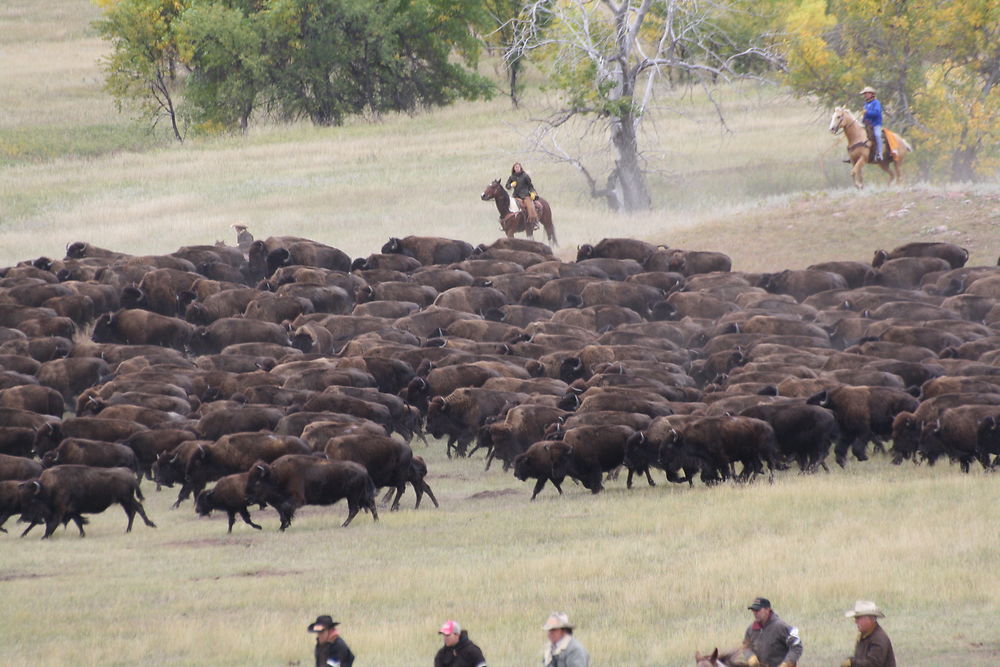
point(863, 148)
point(873, 119)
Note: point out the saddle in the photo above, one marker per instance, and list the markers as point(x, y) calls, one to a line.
point(889, 144)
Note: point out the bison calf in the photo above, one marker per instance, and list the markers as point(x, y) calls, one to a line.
point(228, 495)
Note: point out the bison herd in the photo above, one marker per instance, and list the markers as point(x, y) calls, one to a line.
point(288, 374)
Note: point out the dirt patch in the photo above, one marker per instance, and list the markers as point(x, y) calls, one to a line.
point(17, 576)
point(492, 494)
point(211, 542)
point(254, 574)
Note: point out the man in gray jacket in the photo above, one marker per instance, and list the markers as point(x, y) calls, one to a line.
point(562, 649)
point(774, 643)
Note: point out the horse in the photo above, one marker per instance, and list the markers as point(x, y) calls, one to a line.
point(716, 659)
point(712, 660)
point(513, 222)
point(859, 149)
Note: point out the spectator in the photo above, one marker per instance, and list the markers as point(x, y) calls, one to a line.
point(457, 651)
point(331, 649)
point(873, 648)
point(562, 649)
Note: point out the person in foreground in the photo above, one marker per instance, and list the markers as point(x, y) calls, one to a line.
point(873, 648)
point(770, 641)
point(562, 648)
point(331, 649)
point(458, 650)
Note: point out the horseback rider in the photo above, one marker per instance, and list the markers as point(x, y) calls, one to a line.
point(524, 193)
point(873, 117)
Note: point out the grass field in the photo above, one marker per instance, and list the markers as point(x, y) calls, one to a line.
point(648, 575)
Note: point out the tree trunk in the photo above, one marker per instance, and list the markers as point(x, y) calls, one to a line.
point(962, 161)
point(631, 179)
point(515, 66)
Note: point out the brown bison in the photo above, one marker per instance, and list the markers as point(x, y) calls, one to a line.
point(70, 491)
point(292, 481)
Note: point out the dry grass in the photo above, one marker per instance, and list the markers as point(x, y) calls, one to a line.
point(649, 574)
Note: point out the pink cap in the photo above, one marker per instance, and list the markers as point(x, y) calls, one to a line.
point(450, 628)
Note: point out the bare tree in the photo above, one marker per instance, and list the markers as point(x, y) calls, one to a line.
point(610, 57)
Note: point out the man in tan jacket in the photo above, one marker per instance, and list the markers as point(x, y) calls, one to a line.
point(873, 648)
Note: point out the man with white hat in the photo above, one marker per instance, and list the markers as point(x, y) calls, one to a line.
point(873, 648)
point(562, 649)
point(873, 117)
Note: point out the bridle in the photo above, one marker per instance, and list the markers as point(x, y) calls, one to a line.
point(842, 127)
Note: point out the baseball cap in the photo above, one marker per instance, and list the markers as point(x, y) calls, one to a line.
point(759, 603)
point(450, 628)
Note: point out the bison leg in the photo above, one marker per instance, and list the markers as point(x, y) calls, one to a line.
point(352, 511)
point(649, 478)
point(245, 515)
point(541, 483)
point(232, 520)
point(399, 494)
point(137, 507)
point(50, 527)
point(427, 489)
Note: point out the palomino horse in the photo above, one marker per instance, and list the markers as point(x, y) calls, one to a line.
point(510, 222)
point(859, 150)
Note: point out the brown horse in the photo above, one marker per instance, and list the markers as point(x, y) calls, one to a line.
point(513, 222)
point(859, 149)
point(712, 660)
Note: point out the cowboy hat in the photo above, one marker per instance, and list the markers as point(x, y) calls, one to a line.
point(558, 620)
point(867, 89)
point(864, 608)
point(322, 623)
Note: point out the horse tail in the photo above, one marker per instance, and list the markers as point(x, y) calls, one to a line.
point(905, 143)
point(550, 229)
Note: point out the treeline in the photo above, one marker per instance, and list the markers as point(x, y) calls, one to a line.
point(213, 64)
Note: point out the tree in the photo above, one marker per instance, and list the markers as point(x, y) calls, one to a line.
point(609, 59)
point(143, 66)
point(223, 49)
point(318, 59)
point(504, 16)
point(935, 64)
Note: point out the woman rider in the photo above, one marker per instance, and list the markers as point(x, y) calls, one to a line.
point(524, 192)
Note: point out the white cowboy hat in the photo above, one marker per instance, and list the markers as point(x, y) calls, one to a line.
point(867, 89)
point(864, 608)
point(558, 620)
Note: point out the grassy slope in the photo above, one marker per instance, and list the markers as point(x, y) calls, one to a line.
point(649, 575)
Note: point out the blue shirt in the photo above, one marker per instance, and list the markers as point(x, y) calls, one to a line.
point(873, 113)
